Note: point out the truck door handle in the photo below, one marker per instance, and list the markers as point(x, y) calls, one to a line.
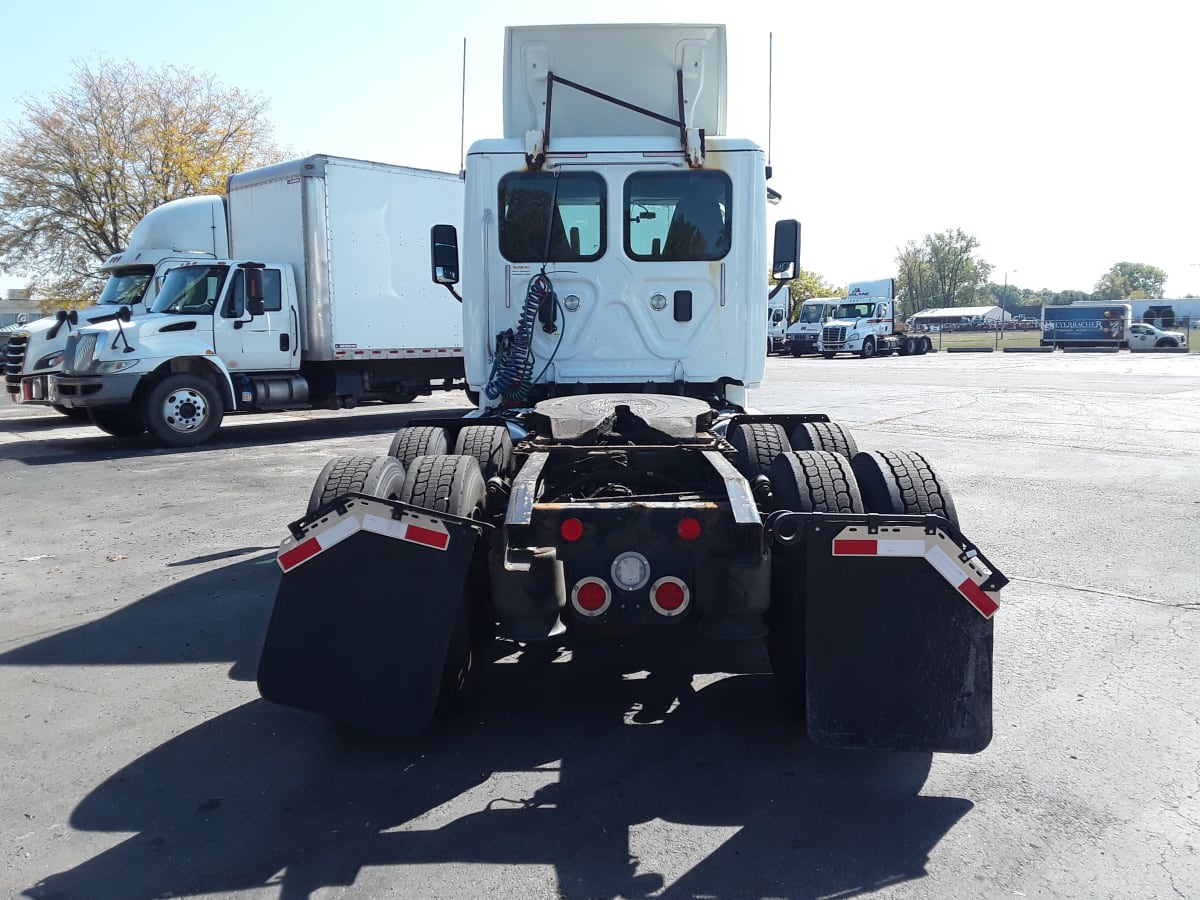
point(285, 342)
point(683, 306)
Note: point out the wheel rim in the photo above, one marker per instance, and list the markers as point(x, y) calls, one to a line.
point(185, 410)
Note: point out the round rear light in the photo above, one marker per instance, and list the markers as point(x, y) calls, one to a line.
point(631, 571)
point(591, 596)
point(669, 596)
point(571, 530)
point(689, 529)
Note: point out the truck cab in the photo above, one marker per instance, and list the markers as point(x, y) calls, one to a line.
point(192, 228)
point(1144, 336)
point(802, 334)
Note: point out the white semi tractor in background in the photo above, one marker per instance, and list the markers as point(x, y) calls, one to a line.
point(802, 335)
point(185, 230)
point(320, 303)
point(614, 479)
point(866, 324)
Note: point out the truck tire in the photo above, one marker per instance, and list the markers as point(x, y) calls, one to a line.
point(454, 485)
point(183, 410)
point(923, 345)
point(823, 436)
point(757, 444)
point(418, 440)
point(117, 422)
point(868, 348)
point(377, 476)
point(902, 482)
point(796, 351)
point(803, 481)
point(491, 447)
point(906, 346)
point(1167, 342)
point(815, 481)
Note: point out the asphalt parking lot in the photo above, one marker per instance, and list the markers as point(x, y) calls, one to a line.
point(137, 760)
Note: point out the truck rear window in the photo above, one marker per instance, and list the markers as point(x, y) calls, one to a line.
point(552, 216)
point(677, 216)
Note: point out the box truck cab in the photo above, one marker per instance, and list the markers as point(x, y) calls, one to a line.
point(802, 334)
point(778, 304)
point(1097, 324)
point(188, 229)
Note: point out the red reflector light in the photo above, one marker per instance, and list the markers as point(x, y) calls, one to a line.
point(591, 596)
point(689, 529)
point(669, 595)
point(571, 530)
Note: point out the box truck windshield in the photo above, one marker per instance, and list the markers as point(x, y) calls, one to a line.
point(126, 286)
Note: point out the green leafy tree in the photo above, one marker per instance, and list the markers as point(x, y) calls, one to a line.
point(1131, 281)
point(807, 285)
point(941, 270)
point(87, 162)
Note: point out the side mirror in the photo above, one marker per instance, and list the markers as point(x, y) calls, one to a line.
point(786, 265)
point(254, 290)
point(124, 314)
point(443, 251)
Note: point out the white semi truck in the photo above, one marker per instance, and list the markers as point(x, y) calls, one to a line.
point(802, 335)
point(320, 305)
point(613, 269)
point(185, 230)
point(865, 324)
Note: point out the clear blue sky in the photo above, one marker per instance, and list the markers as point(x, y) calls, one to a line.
point(1060, 133)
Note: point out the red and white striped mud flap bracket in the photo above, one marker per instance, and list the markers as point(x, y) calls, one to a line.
point(962, 569)
point(370, 594)
point(895, 617)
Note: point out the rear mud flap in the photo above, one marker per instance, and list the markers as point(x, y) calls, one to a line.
point(364, 613)
point(897, 633)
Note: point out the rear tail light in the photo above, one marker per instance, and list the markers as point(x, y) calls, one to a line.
point(689, 529)
point(591, 597)
point(669, 596)
point(571, 530)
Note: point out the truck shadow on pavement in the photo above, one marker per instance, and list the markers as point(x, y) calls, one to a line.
point(96, 446)
point(215, 616)
point(609, 768)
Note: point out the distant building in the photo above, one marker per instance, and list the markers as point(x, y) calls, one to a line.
point(18, 307)
point(959, 316)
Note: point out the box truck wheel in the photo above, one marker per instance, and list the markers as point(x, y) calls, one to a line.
point(757, 444)
point(454, 485)
point(802, 481)
point(183, 410)
point(823, 436)
point(418, 440)
point(490, 445)
point(902, 482)
point(117, 422)
point(868, 348)
point(378, 476)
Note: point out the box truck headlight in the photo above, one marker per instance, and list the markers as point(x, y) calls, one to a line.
point(53, 361)
point(115, 365)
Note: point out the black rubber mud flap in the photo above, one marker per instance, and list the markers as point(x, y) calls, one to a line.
point(898, 635)
point(364, 613)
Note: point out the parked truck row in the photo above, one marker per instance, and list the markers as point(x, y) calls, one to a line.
point(612, 257)
point(315, 300)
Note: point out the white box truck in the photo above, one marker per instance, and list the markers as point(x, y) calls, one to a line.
point(320, 303)
point(614, 275)
point(802, 334)
point(184, 230)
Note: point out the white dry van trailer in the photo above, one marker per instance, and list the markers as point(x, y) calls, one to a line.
point(614, 268)
point(323, 302)
point(185, 230)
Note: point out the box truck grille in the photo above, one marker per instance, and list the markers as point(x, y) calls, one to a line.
point(14, 361)
point(834, 335)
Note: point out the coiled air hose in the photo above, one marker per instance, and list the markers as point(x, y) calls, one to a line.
point(512, 371)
